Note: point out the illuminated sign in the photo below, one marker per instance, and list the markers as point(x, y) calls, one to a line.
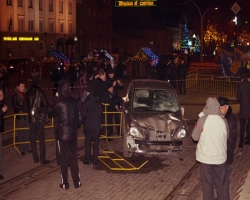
point(139, 3)
point(22, 39)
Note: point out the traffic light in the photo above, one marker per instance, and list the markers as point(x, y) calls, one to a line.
point(235, 36)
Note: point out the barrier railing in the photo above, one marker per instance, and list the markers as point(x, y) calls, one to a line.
point(51, 125)
point(212, 84)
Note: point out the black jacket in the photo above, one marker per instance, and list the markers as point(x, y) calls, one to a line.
point(67, 113)
point(231, 141)
point(18, 104)
point(100, 89)
point(29, 101)
point(1, 117)
point(92, 111)
point(182, 71)
point(243, 96)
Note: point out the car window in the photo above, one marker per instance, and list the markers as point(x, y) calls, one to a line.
point(155, 100)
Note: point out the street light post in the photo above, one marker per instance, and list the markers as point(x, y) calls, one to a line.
point(202, 18)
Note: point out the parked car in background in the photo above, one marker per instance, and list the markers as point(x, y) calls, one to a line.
point(153, 121)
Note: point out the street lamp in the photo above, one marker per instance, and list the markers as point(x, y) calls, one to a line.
point(202, 18)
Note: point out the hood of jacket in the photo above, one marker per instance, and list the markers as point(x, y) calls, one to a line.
point(212, 107)
point(63, 90)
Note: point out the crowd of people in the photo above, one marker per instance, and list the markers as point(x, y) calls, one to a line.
point(168, 70)
point(69, 113)
point(215, 131)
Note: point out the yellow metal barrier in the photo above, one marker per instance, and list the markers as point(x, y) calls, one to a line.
point(108, 154)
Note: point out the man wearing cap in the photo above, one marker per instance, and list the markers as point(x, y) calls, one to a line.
point(35, 98)
point(226, 112)
point(92, 112)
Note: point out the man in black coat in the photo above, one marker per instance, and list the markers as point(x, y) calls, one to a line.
point(3, 109)
point(92, 112)
point(21, 120)
point(243, 96)
point(35, 98)
point(226, 111)
point(68, 115)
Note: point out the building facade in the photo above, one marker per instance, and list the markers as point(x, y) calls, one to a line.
point(29, 28)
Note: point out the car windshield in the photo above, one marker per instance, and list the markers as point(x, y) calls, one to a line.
point(155, 100)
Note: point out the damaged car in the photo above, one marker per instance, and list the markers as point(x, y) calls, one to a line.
point(153, 120)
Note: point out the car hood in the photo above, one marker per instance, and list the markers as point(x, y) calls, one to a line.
point(158, 121)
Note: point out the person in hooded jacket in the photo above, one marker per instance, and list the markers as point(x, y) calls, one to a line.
point(35, 98)
point(92, 112)
point(211, 132)
point(68, 113)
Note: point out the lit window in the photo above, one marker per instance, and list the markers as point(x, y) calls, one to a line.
point(20, 3)
point(51, 27)
point(30, 3)
point(60, 6)
point(9, 2)
point(40, 4)
point(41, 26)
point(31, 25)
point(51, 5)
point(70, 8)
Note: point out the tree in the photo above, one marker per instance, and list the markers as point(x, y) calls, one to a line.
point(185, 38)
point(197, 44)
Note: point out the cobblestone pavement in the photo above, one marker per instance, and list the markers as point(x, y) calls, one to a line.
point(154, 181)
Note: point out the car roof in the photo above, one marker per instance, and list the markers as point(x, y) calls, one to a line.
point(151, 84)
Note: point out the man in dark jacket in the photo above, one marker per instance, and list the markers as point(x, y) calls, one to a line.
point(35, 98)
point(243, 96)
point(3, 109)
point(182, 73)
point(226, 111)
point(92, 111)
point(68, 114)
point(21, 120)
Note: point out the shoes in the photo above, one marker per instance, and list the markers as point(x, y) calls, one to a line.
point(78, 185)
point(29, 151)
point(44, 162)
point(1, 177)
point(23, 153)
point(95, 164)
point(85, 162)
point(64, 186)
point(240, 145)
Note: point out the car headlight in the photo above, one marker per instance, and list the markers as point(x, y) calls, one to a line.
point(11, 67)
point(180, 133)
point(135, 132)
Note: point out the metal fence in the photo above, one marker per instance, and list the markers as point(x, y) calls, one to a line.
point(211, 84)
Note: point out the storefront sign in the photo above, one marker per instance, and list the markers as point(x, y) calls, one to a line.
point(22, 39)
point(139, 3)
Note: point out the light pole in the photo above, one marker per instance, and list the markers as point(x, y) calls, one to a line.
point(202, 18)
